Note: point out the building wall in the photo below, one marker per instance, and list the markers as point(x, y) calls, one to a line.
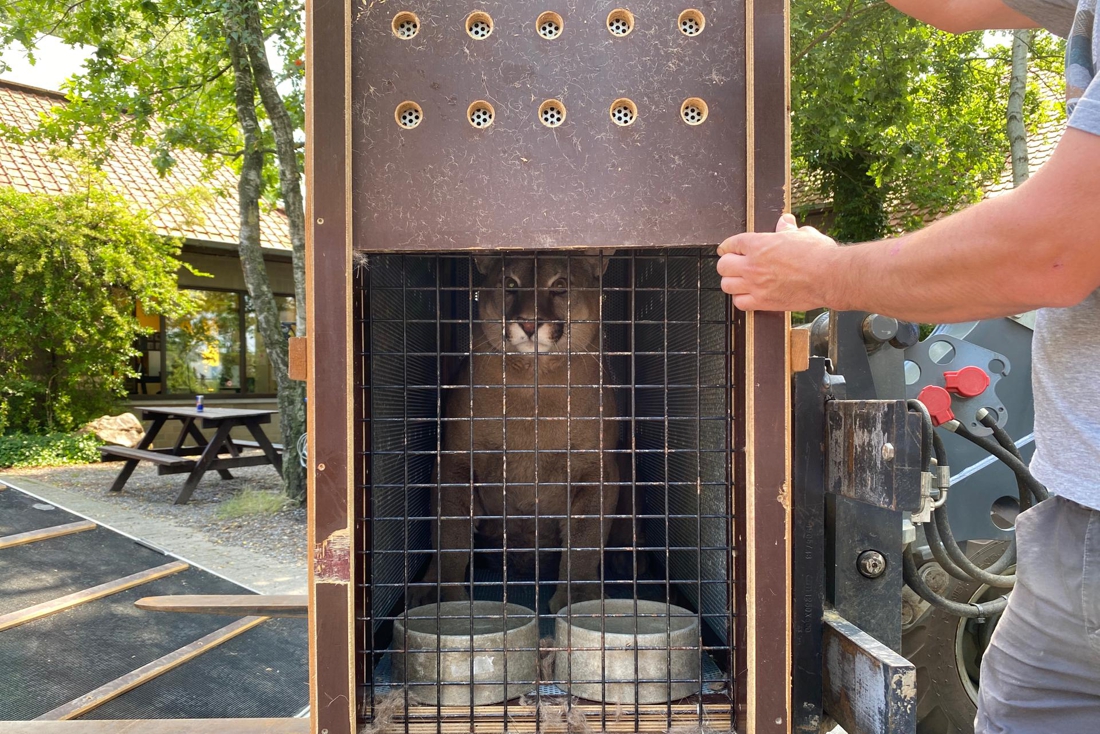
point(220, 271)
point(227, 275)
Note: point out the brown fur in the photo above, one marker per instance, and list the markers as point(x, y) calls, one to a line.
point(569, 405)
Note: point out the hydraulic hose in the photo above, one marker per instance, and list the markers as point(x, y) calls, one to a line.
point(1006, 442)
point(939, 533)
point(941, 541)
point(972, 610)
point(1037, 490)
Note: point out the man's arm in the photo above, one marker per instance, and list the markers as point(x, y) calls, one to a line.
point(960, 16)
point(1035, 246)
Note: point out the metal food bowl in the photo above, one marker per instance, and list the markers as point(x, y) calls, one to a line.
point(600, 664)
point(454, 650)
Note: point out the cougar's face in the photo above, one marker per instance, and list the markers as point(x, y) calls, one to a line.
point(543, 304)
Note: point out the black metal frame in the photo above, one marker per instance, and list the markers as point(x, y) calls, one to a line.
point(420, 308)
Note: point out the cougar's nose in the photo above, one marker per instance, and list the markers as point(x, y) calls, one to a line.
point(528, 327)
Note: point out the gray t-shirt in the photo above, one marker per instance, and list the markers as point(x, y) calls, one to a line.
point(1066, 347)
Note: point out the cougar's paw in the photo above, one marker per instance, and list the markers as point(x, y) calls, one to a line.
point(559, 599)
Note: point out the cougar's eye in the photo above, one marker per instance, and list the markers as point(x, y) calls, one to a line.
point(511, 283)
point(559, 286)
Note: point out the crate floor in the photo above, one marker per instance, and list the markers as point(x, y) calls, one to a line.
point(55, 659)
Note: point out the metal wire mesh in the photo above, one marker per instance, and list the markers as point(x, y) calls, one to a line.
point(545, 431)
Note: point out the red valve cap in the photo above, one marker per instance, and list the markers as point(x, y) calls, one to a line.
point(969, 382)
point(938, 402)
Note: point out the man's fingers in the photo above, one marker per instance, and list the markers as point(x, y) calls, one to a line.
point(731, 264)
point(730, 244)
point(745, 302)
point(734, 286)
point(786, 222)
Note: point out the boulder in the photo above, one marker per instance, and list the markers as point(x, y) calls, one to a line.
point(123, 430)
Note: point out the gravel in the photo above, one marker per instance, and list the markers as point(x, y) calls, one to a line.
point(280, 536)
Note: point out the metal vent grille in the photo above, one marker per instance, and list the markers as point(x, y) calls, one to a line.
point(650, 331)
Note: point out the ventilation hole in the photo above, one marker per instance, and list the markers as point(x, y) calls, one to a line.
point(693, 111)
point(405, 25)
point(620, 22)
point(480, 114)
point(624, 112)
point(479, 25)
point(691, 22)
point(552, 113)
point(549, 25)
point(408, 115)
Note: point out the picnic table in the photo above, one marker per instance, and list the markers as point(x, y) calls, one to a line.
point(179, 459)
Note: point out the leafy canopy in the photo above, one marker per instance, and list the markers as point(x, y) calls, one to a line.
point(891, 114)
point(71, 267)
point(159, 76)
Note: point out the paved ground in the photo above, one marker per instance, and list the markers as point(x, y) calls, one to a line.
point(262, 567)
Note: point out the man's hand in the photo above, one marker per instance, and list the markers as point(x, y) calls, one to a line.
point(785, 271)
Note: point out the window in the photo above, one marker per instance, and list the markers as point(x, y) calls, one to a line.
point(260, 374)
point(204, 350)
point(216, 351)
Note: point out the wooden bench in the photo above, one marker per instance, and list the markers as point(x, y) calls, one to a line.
point(254, 444)
point(164, 458)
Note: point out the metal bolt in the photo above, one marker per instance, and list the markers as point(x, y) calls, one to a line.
point(320, 467)
point(936, 578)
point(878, 329)
point(871, 564)
point(888, 451)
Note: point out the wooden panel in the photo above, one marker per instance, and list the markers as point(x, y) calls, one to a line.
point(519, 184)
point(270, 605)
point(763, 515)
point(161, 726)
point(328, 313)
point(113, 689)
point(10, 541)
point(46, 608)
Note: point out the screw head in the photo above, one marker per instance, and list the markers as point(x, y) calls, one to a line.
point(871, 564)
point(888, 451)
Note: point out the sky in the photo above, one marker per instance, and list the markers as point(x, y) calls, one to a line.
point(55, 62)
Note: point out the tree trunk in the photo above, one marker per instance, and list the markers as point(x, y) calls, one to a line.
point(1017, 91)
point(290, 177)
point(250, 188)
point(859, 205)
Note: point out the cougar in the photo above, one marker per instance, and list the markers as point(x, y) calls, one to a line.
point(543, 314)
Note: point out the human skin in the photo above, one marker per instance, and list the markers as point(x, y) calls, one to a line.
point(1036, 246)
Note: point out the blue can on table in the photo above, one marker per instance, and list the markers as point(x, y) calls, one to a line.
point(198, 403)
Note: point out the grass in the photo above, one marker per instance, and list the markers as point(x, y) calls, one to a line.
point(252, 502)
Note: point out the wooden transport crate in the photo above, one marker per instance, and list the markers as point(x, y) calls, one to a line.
point(438, 132)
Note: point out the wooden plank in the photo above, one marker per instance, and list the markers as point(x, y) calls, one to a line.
point(763, 510)
point(255, 444)
point(268, 605)
point(160, 726)
point(16, 618)
point(144, 674)
point(331, 488)
point(216, 464)
point(155, 457)
point(10, 541)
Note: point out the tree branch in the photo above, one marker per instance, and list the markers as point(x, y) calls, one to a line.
point(849, 14)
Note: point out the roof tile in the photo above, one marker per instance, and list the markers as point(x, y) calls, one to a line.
point(34, 167)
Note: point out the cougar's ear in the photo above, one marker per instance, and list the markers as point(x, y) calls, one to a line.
point(485, 263)
point(596, 264)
